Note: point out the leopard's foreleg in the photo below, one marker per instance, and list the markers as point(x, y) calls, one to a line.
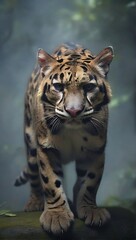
point(89, 173)
point(57, 216)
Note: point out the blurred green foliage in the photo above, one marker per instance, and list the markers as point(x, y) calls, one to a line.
point(126, 203)
point(108, 18)
point(7, 5)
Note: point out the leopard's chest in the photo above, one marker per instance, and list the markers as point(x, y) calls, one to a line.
point(76, 144)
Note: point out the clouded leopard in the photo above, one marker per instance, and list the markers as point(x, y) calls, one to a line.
point(66, 117)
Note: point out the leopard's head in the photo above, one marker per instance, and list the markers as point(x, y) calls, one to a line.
point(73, 87)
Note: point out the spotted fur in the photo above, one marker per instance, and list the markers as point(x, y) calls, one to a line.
point(66, 118)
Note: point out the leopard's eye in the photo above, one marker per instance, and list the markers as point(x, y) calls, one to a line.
point(59, 87)
point(89, 87)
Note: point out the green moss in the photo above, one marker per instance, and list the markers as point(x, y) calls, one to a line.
point(22, 219)
point(27, 226)
point(23, 226)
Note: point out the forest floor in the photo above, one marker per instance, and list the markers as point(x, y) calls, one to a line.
point(122, 226)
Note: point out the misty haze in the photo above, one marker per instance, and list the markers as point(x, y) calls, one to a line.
point(27, 26)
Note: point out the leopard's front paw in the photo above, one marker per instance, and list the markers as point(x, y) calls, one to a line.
point(56, 221)
point(93, 215)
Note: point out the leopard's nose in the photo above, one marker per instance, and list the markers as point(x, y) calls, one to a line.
point(73, 112)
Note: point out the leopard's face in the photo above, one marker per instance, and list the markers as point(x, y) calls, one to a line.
point(72, 93)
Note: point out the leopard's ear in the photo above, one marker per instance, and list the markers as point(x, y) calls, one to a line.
point(104, 58)
point(44, 59)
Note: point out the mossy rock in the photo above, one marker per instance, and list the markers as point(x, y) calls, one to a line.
point(26, 226)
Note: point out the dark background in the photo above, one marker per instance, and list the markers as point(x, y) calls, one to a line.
point(26, 26)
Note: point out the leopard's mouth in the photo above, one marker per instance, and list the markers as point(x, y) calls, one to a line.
point(72, 118)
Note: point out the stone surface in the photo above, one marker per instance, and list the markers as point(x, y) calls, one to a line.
point(26, 226)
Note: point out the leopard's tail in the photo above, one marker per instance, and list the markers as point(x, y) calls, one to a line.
point(22, 178)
